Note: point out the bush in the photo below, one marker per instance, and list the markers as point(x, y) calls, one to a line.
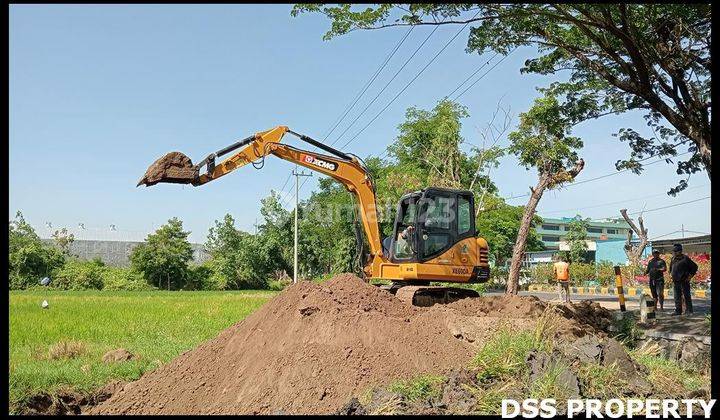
point(121, 278)
point(278, 285)
point(29, 260)
point(543, 273)
point(79, 275)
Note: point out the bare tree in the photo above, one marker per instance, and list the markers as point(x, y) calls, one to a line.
point(634, 251)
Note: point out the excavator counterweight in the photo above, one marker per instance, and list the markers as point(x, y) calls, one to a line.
point(434, 237)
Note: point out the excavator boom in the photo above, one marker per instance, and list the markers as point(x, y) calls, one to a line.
point(347, 169)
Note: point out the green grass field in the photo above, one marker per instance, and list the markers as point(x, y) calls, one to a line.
point(155, 326)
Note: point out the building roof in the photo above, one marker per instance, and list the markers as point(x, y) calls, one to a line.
point(612, 223)
point(692, 240)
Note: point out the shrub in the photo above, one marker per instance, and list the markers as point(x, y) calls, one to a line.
point(124, 278)
point(279, 284)
point(29, 260)
point(543, 273)
point(79, 275)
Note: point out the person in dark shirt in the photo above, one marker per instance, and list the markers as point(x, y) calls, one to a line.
point(682, 269)
point(656, 269)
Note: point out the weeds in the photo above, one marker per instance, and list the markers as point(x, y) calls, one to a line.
point(419, 388)
point(603, 382)
point(628, 332)
point(489, 400)
point(66, 350)
point(668, 376)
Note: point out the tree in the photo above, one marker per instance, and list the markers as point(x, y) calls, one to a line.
point(29, 260)
point(541, 141)
point(614, 58)
point(500, 226)
point(576, 239)
point(634, 251)
point(164, 256)
point(63, 239)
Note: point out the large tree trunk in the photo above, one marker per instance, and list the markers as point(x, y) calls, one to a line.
point(546, 180)
point(521, 241)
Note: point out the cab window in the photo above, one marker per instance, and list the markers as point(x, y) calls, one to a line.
point(464, 215)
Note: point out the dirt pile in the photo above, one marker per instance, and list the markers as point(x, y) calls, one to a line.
point(173, 167)
point(315, 346)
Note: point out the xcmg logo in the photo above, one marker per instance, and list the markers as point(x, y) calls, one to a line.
point(331, 166)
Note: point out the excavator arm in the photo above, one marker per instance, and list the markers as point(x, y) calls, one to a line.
point(345, 168)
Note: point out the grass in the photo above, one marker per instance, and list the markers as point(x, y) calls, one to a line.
point(668, 376)
point(419, 388)
point(603, 382)
point(504, 355)
point(547, 385)
point(62, 347)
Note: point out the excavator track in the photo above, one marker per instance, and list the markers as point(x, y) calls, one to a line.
point(431, 295)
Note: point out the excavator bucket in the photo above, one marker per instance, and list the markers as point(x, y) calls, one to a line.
point(174, 168)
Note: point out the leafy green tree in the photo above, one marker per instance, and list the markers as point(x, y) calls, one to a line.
point(163, 257)
point(29, 260)
point(80, 275)
point(541, 142)
point(576, 239)
point(238, 260)
point(500, 226)
point(611, 58)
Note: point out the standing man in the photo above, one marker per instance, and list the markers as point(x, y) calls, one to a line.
point(682, 269)
point(656, 269)
point(562, 275)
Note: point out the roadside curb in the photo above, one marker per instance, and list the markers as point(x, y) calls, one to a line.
point(611, 291)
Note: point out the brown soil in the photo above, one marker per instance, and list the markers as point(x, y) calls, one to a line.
point(315, 346)
point(173, 167)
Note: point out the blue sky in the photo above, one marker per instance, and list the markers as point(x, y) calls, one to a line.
point(99, 92)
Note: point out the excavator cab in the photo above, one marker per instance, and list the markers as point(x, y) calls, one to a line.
point(430, 222)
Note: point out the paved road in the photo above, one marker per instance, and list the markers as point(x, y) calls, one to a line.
point(685, 324)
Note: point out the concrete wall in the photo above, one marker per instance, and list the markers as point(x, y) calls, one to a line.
point(117, 253)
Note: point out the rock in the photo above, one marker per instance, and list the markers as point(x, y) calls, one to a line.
point(541, 362)
point(352, 407)
point(119, 355)
point(45, 304)
point(587, 349)
point(614, 353)
point(694, 353)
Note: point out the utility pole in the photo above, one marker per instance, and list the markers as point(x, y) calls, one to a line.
point(682, 229)
point(297, 190)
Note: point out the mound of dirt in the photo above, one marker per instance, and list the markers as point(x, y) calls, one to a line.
point(315, 346)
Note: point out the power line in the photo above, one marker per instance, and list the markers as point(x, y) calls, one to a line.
point(364, 89)
point(401, 91)
point(658, 208)
point(603, 176)
point(409, 83)
point(367, 85)
point(471, 76)
point(616, 202)
point(484, 74)
point(386, 85)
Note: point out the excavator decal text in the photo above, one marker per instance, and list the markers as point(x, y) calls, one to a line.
point(331, 166)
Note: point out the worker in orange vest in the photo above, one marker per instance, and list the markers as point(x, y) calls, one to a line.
point(562, 275)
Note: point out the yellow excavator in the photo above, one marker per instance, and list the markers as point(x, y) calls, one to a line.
point(434, 237)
